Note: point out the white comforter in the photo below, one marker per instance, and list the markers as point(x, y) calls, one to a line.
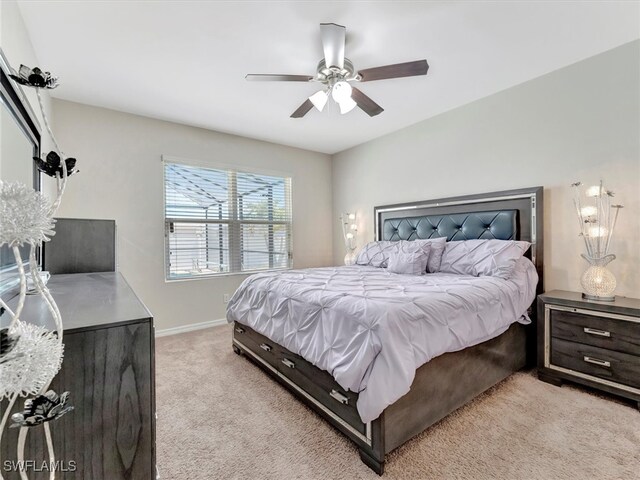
point(372, 329)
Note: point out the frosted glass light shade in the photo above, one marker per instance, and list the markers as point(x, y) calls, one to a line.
point(594, 191)
point(319, 99)
point(347, 105)
point(598, 231)
point(341, 91)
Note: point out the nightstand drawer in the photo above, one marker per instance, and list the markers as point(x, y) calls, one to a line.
point(599, 331)
point(598, 362)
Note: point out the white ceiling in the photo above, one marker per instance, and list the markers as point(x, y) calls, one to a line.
point(185, 61)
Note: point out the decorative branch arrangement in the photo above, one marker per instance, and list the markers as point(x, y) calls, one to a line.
point(597, 219)
point(31, 355)
point(349, 233)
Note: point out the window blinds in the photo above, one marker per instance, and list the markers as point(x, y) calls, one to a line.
point(224, 221)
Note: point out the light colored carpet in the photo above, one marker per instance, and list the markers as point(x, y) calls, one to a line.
point(220, 417)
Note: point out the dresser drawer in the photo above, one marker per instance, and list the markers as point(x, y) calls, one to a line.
point(322, 386)
point(599, 331)
point(259, 344)
point(598, 362)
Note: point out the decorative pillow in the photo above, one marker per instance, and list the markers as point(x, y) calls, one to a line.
point(375, 254)
point(496, 258)
point(412, 261)
point(437, 248)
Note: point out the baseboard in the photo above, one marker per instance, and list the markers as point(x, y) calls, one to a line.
point(190, 328)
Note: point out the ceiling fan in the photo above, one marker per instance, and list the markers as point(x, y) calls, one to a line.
point(335, 72)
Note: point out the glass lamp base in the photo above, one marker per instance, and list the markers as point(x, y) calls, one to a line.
point(350, 258)
point(598, 283)
point(597, 298)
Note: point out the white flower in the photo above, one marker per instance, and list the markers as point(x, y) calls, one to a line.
point(33, 362)
point(24, 215)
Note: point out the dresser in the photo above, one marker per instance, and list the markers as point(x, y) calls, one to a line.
point(591, 343)
point(108, 369)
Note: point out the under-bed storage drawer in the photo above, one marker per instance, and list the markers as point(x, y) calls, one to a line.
point(259, 344)
point(315, 382)
point(322, 386)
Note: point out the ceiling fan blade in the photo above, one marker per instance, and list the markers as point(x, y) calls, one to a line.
point(258, 77)
point(302, 109)
point(333, 37)
point(408, 69)
point(370, 107)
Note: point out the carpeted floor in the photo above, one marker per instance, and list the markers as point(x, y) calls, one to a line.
point(220, 417)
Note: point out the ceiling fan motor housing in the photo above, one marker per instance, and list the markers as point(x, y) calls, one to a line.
point(332, 75)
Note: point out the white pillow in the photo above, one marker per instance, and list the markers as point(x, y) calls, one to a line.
point(409, 260)
point(496, 258)
point(375, 254)
point(437, 248)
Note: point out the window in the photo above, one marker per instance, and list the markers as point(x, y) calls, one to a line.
point(225, 221)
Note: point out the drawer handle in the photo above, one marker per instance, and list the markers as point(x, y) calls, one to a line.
point(339, 397)
point(595, 331)
point(239, 329)
point(288, 363)
point(597, 361)
point(265, 347)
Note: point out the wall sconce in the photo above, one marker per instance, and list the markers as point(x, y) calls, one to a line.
point(349, 234)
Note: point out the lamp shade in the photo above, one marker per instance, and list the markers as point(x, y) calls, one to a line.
point(319, 99)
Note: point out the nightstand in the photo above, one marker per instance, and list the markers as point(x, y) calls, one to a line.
point(592, 343)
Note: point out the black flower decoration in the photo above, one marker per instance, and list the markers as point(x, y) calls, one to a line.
point(7, 342)
point(35, 78)
point(41, 409)
point(52, 165)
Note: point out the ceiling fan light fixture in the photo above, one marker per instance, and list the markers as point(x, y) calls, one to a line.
point(319, 99)
point(347, 105)
point(341, 91)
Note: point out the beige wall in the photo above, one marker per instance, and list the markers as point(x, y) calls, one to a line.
point(577, 123)
point(119, 158)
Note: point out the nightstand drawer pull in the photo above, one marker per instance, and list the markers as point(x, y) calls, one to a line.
point(595, 331)
point(239, 329)
point(339, 397)
point(288, 363)
point(597, 361)
point(265, 347)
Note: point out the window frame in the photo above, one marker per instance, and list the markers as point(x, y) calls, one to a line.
point(234, 222)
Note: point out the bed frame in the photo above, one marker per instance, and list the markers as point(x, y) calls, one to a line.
point(447, 382)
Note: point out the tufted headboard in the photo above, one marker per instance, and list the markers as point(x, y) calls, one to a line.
point(507, 215)
point(496, 224)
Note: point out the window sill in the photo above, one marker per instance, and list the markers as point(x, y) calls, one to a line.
point(226, 274)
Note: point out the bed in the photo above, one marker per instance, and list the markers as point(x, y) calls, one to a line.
point(393, 376)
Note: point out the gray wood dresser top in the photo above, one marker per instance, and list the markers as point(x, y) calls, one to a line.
point(86, 301)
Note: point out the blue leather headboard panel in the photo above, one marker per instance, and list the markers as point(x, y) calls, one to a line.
point(496, 224)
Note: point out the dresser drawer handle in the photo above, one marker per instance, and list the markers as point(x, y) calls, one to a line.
point(597, 361)
point(339, 397)
point(265, 347)
point(595, 331)
point(239, 329)
point(288, 363)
